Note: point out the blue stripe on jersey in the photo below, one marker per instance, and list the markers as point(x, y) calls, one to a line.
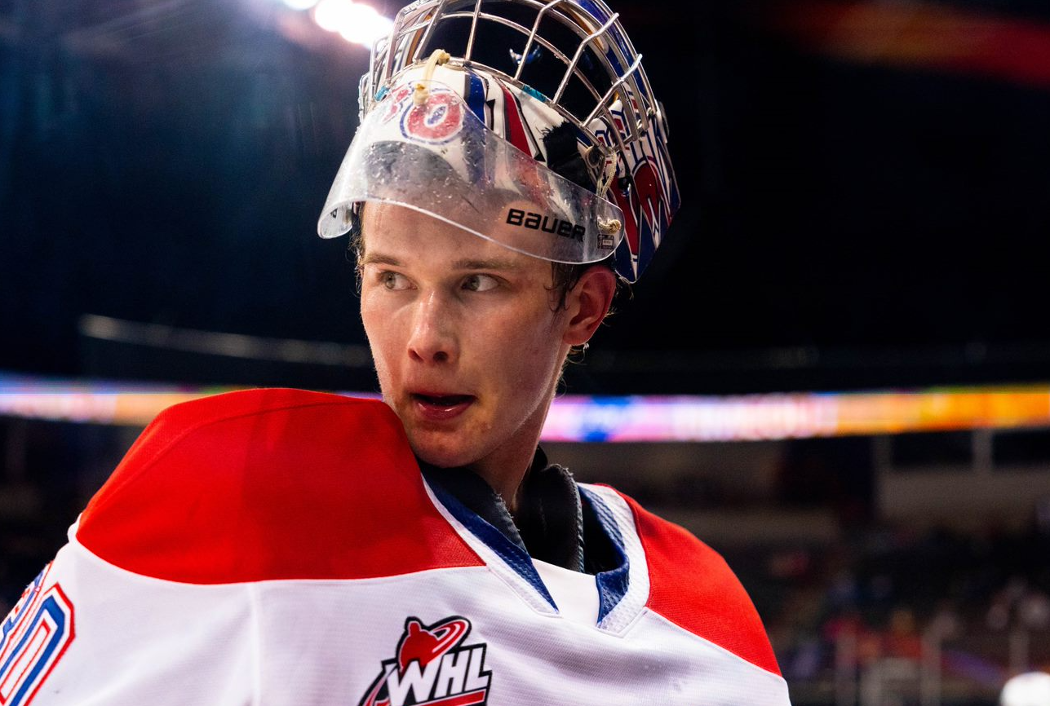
point(613, 584)
point(514, 556)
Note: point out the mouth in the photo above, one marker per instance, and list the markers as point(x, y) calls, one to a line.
point(440, 407)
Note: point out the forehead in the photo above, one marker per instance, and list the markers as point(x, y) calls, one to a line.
point(390, 231)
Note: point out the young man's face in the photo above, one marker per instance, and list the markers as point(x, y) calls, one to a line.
point(467, 344)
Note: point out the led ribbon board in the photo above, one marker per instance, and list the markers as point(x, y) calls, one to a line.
point(617, 419)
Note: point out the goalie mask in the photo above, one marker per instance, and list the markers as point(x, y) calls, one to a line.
point(528, 123)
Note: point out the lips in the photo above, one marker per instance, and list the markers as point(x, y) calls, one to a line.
point(439, 407)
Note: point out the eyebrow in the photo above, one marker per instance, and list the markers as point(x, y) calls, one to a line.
point(378, 259)
point(494, 264)
point(466, 264)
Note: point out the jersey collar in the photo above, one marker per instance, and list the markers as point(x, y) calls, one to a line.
point(556, 515)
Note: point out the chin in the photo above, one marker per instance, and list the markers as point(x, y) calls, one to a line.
point(442, 455)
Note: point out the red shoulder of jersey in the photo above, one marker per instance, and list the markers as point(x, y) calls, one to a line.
point(691, 585)
point(270, 484)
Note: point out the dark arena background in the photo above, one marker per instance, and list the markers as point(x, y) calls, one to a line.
point(836, 373)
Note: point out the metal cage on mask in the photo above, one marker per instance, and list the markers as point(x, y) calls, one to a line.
point(531, 71)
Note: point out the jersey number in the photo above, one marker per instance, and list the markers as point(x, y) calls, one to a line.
point(33, 638)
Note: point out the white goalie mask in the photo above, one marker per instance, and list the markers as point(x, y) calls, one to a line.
point(527, 123)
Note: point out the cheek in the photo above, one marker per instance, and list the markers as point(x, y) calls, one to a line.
point(527, 345)
point(380, 331)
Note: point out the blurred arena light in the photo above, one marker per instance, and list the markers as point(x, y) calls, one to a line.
point(356, 22)
point(615, 419)
point(104, 328)
point(300, 4)
point(1029, 689)
point(934, 35)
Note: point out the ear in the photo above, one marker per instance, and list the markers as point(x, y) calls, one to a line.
point(588, 303)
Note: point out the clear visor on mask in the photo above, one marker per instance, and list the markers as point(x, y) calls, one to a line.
point(438, 158)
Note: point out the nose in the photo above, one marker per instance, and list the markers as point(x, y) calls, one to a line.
point(433, 337)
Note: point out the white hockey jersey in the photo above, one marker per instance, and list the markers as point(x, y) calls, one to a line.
point(280, 547)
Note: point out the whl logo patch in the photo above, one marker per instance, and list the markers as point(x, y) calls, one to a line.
point(432, 668)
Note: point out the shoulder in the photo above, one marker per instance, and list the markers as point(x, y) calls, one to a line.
point(691, 585)
point(270, 484)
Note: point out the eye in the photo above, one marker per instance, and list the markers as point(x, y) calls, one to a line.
point(394, 281)
point(480, 283)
